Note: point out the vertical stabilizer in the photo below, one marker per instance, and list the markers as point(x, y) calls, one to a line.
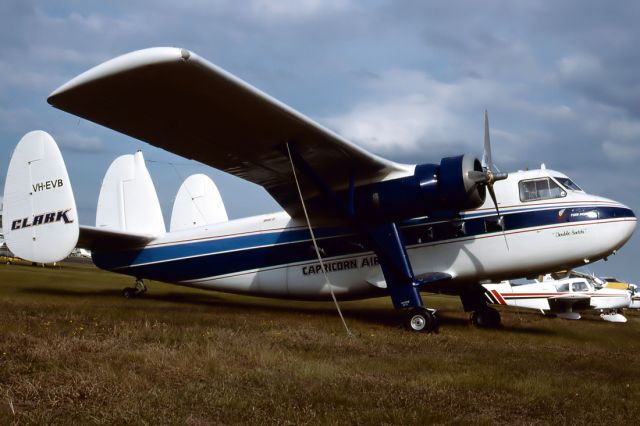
point(198, 203)
point(40, 220)
point(128, 201)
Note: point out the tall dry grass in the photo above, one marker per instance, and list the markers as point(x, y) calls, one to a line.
point(73, 351)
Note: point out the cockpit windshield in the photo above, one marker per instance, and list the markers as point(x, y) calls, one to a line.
point(567, 183)
point(540, 189)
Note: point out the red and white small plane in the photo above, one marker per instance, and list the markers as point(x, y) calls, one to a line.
point(354, 225)
point(564, 298)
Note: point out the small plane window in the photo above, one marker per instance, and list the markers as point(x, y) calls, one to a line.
point(580, 286)
point(563, 287)
point(540, 189)
point(568, 183)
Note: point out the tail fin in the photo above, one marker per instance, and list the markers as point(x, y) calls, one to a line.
point(40, 221)
point(198, 203)
point(128, 201)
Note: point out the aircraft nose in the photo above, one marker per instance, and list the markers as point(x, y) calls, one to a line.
point(627, 220)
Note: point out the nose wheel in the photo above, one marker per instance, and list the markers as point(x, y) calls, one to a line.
point(137, 290)
point(422, 320)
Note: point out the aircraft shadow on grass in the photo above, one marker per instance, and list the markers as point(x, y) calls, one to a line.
point(373, 315)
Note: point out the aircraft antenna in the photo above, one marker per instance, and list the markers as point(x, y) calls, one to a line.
point(315, 244)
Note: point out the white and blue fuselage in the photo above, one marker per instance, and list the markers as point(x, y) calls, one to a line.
point(272, 255)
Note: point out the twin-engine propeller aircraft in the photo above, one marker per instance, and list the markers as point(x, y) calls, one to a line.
point(355, 225)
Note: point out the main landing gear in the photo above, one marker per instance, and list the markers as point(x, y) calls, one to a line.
point(137, 290)
point(423, 320)
point(486, 318)
point(482, 315)
point(382, 235)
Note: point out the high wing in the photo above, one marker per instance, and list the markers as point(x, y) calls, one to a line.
point(176, 100)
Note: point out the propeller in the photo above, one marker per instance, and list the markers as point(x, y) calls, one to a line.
point(487, 176)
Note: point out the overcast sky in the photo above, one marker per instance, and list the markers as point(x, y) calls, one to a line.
point(408, 80)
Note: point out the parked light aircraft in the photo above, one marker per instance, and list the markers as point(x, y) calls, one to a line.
point(565, 298)
point(375, 227)
point(613, 283)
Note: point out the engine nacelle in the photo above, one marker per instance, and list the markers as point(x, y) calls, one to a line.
point(432, 188)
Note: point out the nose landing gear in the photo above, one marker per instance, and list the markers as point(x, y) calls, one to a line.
point(137, 290)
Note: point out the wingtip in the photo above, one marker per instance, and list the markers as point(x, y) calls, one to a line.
point(121, 63)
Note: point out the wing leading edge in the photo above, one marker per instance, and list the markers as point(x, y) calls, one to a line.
point(176, 100)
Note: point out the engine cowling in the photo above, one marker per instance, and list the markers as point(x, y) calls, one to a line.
point(456, 188)
point(432, 188)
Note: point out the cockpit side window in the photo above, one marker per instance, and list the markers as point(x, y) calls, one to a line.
point(579, 286)
point(568, 183)
point(540, 189)
point(562, 288)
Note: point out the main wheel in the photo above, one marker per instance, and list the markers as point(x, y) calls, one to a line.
point(486, 318)
point(422, 320)
point(129, 292)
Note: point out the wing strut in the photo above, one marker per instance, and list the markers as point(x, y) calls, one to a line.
point(315, 244)
point(385, 239)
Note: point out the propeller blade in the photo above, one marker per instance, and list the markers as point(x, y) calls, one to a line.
point(478, 177)
point(500, 176)
point(493, 198)
point(501, 218)
point(490, 177)
point(487, 162)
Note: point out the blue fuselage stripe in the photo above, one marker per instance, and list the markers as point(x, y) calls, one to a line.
point(187, 261)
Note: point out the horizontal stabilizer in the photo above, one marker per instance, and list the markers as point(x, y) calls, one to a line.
point(99, 239)
point(128, 201)
point(198, 203)
point(40, 220)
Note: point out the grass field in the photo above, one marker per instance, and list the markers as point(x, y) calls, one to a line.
point(73, 351)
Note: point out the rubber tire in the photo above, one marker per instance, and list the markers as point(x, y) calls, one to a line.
point(486, 318)
point(129, 292)
point(421, 320)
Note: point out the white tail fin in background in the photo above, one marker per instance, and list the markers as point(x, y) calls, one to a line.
point(40, 220)
point(198, 203)
point(128, 201)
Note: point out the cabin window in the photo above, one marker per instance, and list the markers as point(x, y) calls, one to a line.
point(428, 235)
point(568, 183)
point(458, 229)
point(540, 189)
point(580, 286)
point(563, 287)
point(494, 224)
